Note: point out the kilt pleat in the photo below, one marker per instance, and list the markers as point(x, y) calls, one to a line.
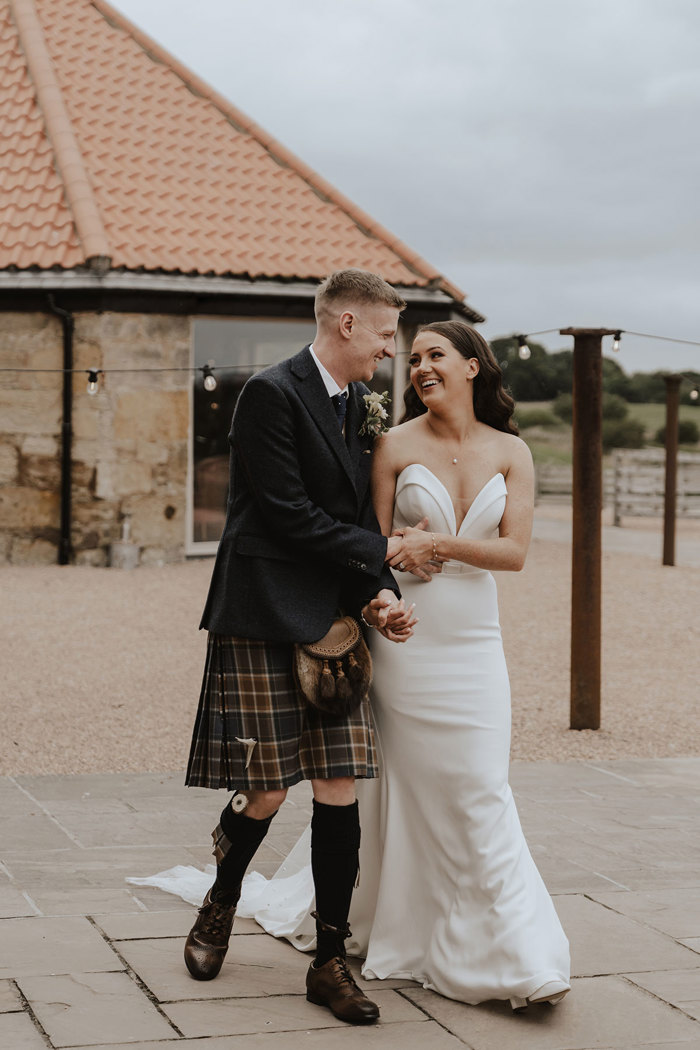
point(254, 730)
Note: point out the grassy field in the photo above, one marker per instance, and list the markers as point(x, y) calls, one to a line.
point(553, 444)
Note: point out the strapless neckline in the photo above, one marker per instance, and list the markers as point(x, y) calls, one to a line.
point(447, 498)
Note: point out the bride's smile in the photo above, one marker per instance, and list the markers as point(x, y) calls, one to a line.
point(437, 368)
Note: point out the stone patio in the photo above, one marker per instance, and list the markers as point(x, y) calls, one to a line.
point(88, 960)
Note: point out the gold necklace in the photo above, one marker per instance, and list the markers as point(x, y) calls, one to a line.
point(459, 447)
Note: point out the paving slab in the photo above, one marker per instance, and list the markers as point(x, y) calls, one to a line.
point(9, 997)
point(84, 901)
point(80, 1009)
point(674, 911)
point(36, 826)
point(18, 1032)
point(148, 925)
point(151, 899)
point(566, 876)
point(644, 877)
point(674, 986)
point(35, 870)
point(407, 1035)
point(259, 966)
point(616, 842)
point(96, 823)
point(14, 904)
point(598, 1012)
point(56, 787)
point(41, 945)
point(643, 813)
point(605, 942)
point(14, 800)
point(274, 1013)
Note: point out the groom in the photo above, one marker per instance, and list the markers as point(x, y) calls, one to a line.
point(300, 542)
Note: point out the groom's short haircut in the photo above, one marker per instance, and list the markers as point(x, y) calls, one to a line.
point(347, 288)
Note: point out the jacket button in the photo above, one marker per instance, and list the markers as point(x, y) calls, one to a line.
point(363, 566)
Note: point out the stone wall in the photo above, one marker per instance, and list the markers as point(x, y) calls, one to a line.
point(129, 440)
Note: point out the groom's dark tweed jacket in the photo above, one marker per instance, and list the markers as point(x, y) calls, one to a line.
point(301, 539)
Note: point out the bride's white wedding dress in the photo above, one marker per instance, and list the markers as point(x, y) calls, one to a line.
point(449, 895)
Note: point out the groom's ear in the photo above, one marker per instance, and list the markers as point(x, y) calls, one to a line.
point(346, 322)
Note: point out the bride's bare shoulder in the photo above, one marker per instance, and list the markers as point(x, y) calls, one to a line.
point(514, 451)
point(399, 442)
point(403, 431)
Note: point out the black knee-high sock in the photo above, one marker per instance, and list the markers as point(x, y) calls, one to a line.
point(235, 849)
point(335, 843)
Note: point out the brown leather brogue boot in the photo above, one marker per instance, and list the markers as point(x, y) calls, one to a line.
point(207, 941)
point(334, 986)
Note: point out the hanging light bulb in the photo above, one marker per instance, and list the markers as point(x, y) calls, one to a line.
point(695, 394)
point(523, 349)
point(209, 378)
point(616, 341)
point(93, 381)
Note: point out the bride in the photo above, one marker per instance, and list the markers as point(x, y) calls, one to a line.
point(460, 904)
point(449, 895)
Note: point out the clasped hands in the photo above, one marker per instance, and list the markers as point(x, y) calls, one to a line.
point(411, 550)
point(390, 616)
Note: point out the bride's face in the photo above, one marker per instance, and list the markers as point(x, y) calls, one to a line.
point(438, 371)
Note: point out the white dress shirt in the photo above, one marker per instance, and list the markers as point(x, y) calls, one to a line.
point(328, 380)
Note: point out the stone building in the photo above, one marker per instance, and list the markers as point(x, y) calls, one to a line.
point(148, 229)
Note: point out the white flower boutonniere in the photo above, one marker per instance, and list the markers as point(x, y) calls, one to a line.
point(377, 415)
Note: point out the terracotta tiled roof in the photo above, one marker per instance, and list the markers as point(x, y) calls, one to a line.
point(114, 154)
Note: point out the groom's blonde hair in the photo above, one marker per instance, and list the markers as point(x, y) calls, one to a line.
point(348, 288)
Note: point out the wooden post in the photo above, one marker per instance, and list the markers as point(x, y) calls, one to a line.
point(673, 387)
point(586, 551)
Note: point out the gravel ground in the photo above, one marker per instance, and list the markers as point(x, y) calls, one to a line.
point(102, 668)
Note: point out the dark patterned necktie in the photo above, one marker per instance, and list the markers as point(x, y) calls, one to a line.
point(340, 404)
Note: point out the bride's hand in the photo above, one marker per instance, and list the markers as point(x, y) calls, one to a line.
point(390, 617)
point(416, 549)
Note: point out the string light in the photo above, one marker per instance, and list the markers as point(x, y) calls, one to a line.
point(523, 349)
point(209, 378)
point(93, 381)
point(211, 383)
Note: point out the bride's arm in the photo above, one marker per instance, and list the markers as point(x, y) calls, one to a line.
point(383, 482)
point(505, 552)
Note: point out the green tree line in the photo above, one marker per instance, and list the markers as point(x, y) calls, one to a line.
point(544, 376)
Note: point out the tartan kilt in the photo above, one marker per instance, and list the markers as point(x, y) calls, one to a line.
point(254, 730)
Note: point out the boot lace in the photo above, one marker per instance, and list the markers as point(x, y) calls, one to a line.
point(216, 919)
point(344, 971)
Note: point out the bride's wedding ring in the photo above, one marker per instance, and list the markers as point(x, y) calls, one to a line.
point(401, 565)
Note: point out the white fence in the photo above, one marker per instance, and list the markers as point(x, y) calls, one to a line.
point(634, 485)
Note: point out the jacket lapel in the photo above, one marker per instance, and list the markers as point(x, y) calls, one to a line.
point(315, 396)
point(353, 421)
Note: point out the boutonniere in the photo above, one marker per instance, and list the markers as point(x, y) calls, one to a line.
point(375, 419)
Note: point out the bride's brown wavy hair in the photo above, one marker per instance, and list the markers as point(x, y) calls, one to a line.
point(492, 404)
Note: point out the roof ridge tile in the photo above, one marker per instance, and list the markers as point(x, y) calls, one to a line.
point(81, 200)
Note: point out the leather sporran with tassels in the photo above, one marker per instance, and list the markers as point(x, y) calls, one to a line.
point(334, 673)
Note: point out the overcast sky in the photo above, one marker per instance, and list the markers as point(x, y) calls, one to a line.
point(543, 155)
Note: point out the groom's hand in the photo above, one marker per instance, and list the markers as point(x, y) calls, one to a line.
point(424, 572)
point(390, 616)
